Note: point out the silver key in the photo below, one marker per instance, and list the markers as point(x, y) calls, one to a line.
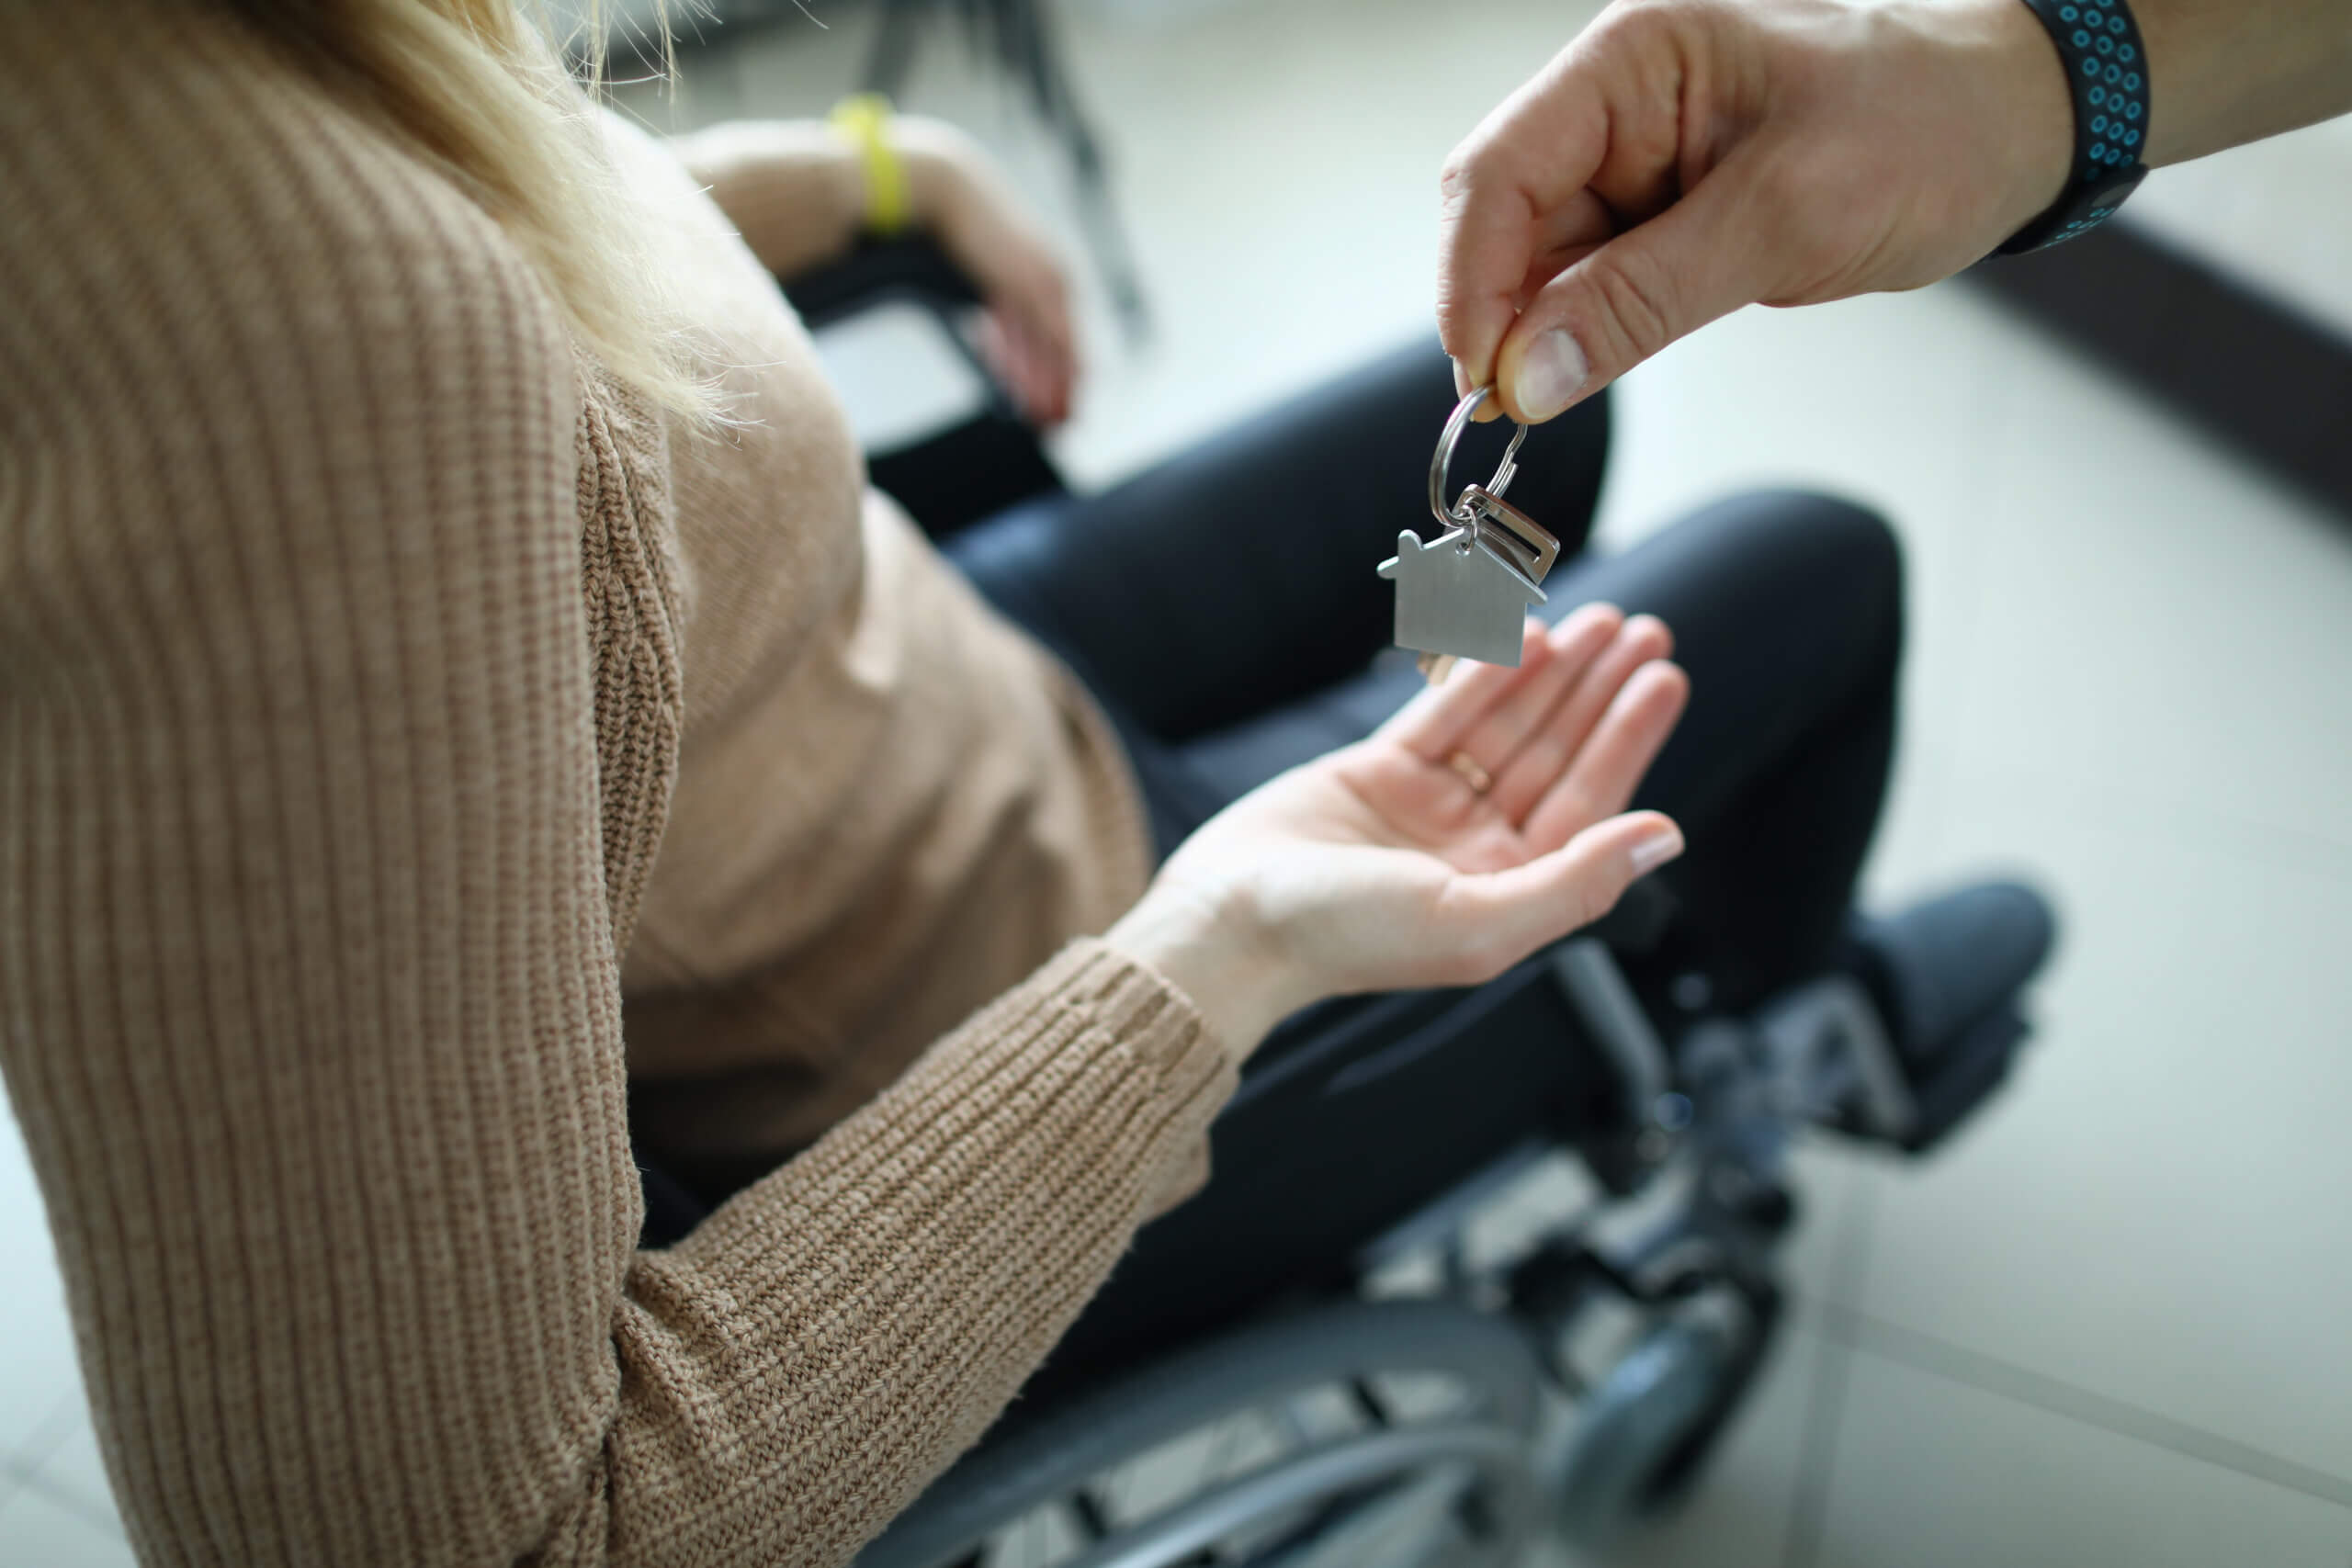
point(1531, 546)
point(1466, 594)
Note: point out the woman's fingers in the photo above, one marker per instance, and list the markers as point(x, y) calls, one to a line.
point(1500, 917)
point(1523, 776)
point(1610, 765)
point(1034, 356)
point(1526, 727)
point(1497, 735)
point(1431, 725)
point(1042, 314)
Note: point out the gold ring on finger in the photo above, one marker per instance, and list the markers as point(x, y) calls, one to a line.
point(1476, 777)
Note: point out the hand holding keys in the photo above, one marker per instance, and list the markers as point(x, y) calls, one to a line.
point(1465, 595)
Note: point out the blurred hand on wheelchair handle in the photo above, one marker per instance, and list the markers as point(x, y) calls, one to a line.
point(964, 201)
point(1684, 158)
point(796, 190)
point(1484, 820)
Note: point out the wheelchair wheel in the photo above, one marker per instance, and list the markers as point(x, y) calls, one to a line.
point(1641, 1436)
point(1365, 1434)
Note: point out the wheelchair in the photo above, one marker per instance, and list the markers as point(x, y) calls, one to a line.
point(1451, 1394)
point(1453, 1397)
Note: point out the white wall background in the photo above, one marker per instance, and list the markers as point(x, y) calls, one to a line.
point(2277, 216)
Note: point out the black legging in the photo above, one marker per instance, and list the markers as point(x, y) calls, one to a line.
point(1224, 608)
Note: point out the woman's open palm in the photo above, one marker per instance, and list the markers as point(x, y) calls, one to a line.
point(1479, 823)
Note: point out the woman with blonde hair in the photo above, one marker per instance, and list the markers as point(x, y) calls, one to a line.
point(459, 695)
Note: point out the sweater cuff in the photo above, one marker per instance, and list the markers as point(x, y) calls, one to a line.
point(1194, 1071)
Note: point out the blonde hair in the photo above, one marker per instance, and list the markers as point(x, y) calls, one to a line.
point(481, 89)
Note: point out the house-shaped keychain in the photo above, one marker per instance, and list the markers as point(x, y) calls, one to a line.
point(1466, 595)
point(1460, 595)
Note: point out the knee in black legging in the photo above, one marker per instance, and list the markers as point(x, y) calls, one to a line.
point(1787, 609)
point(1868, 563)
point(1813, 556)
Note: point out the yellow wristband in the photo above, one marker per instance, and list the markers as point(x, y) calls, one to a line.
point(863, 119)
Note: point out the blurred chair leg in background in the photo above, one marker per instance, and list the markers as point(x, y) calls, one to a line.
point(1020, 35)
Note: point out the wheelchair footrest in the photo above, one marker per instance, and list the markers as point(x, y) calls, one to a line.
point(1964, 1076)
point(1833, 1053)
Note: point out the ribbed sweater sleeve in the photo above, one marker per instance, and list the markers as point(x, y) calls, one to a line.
point(309, 1004)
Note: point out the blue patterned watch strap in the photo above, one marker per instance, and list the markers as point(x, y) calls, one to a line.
point(2107, 67)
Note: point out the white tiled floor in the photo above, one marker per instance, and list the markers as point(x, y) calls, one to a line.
point(2106, 1326)
point(1931, 1473)
point(37, 1528)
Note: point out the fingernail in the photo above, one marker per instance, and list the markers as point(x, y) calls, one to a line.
point(1657, 850)
point(1551, 374)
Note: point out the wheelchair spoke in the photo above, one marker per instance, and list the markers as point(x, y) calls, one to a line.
point(1093, 1523)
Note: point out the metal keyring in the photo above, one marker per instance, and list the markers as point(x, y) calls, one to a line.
point(1444, 459)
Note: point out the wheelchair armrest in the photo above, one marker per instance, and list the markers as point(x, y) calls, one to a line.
point(954, 477)
point(912, 269)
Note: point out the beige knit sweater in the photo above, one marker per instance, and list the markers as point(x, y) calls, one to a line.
point(360, 646)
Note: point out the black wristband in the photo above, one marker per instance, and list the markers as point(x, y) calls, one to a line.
point(2107, 69)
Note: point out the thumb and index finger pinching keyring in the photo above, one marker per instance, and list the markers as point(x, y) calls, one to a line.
point(1459, 515)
